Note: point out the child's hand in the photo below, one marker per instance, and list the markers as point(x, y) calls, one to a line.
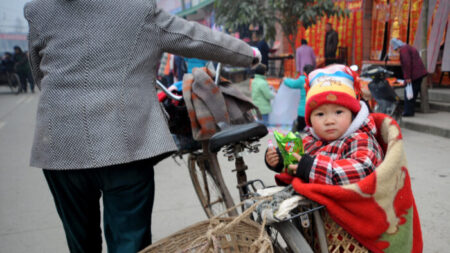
point(272, 157)
point(293, 167)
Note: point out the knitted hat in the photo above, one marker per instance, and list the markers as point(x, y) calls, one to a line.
point(334, 84)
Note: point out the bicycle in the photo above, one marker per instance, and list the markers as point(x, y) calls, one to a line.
point(207, 179)
point(12, 80)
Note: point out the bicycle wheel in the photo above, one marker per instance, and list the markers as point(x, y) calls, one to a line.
point(209, 192)
point(14, 82)
point(291, 237)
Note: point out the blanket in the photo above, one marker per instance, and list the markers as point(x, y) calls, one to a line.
point(378, 211)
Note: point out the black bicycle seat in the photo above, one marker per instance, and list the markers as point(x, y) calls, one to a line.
point(237, 133)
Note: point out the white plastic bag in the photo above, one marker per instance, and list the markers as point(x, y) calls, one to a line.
point(284, 106)
point(409, 91)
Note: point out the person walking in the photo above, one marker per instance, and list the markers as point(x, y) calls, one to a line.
point(299, 83)
point(260, 42)
point(331, 43)
point(180, 67)
point(22, 68)
point(7, 63)
point(413, 72)
point(261, 93)
point(304, 55)
point(99, 127)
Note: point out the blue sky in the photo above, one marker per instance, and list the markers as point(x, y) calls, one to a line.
point(11, 15)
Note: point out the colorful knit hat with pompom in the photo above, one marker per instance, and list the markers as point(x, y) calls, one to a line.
point(334, 84)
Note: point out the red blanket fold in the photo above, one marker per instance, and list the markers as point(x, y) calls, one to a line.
point(379, 211)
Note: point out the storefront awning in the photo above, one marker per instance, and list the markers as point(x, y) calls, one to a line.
point(194, 9)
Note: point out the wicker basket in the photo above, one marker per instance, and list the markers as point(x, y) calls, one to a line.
point(339, 240)
point(241, 236)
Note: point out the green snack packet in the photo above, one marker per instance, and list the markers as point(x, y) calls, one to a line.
point(288, 144)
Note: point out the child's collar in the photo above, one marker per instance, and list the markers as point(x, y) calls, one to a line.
point(357, 122)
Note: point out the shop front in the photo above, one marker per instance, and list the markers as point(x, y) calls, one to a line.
point(365, 34)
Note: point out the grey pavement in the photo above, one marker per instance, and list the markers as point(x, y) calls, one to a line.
point(436, 122)
point(29, 222)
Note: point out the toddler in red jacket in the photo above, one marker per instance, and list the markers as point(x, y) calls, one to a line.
point(340, 144)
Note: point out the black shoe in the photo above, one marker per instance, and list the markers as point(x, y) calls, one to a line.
point(407, 115)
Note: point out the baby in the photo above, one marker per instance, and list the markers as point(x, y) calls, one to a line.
point(340, 144)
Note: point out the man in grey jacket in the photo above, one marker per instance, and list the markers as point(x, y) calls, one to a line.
point(99, 127)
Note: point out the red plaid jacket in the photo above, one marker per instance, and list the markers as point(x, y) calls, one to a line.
point(343, 161)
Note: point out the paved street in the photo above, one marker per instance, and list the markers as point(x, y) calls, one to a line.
point(29, 222)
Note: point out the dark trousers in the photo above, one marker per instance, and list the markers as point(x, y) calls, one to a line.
point(128, 193)
point(24, 77)
point(410, 104)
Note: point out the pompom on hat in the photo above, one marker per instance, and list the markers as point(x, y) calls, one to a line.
point(334, 84)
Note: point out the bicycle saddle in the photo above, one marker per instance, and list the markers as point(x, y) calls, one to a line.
point(235, 134)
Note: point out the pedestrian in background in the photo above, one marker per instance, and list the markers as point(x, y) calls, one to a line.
point(165, 70)
point(261, 93)
point(99, 127)
point(263, 47)
point(22, 68)
point(179, 67)
point(194, 63)
point(331, 43)
point(304, 56)
point(299, 83)
point(413, 72)
point(7, 63)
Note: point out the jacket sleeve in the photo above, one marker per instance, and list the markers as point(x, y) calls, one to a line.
point(313, 57)
point(298, 59)
point(359, 162)
point(298, 83)
point(191, 39)
point(405, 60)
point(266, 92)
point(34, 46)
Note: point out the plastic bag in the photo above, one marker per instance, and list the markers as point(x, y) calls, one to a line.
point(288, 144)
point(409, 91)
point(284, 106)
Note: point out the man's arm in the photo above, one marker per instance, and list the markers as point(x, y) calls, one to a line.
point(191, 39)
point(313, 57)
point(298, 83)
point(298, 59)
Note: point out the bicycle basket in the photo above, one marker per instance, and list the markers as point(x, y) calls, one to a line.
point(239, 239)
point(338, 240)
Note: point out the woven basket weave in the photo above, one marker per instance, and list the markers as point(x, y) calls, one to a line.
point(339, 240)
point(238, 239)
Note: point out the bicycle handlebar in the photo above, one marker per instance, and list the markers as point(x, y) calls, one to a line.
point(168, 93)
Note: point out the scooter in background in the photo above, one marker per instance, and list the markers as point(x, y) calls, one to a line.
point(386, 99)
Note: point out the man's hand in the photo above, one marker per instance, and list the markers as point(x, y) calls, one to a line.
point(272, 157)
point(292, 168)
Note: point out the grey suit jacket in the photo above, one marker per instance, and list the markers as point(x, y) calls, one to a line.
point(95, 62)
